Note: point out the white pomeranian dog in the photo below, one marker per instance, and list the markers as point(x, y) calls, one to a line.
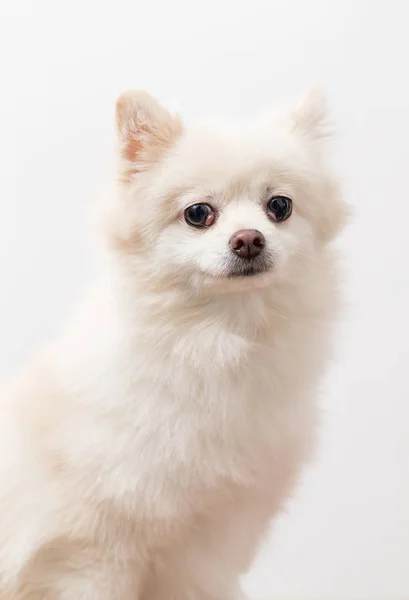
point(145, 452)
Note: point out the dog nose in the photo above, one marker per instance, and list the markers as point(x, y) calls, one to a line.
point(247, 243)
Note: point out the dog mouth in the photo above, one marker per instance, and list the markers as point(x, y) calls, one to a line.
point(239, 267)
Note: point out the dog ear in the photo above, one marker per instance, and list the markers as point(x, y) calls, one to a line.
point(310, 116)
point(146, 131)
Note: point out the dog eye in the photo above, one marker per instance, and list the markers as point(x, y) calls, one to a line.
point(200, 215)
point(279, 208)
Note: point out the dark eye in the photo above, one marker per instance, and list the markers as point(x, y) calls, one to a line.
point(200, 215)
point(279, 208)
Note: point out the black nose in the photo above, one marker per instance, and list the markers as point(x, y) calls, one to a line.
point(247, 243)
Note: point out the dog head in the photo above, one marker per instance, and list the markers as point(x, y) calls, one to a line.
point(219, 206)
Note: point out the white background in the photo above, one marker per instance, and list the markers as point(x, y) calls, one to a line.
point(346, 534)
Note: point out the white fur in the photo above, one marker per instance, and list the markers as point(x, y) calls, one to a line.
point(144, 453)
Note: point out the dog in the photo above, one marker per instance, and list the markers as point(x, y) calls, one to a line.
point(145, 451)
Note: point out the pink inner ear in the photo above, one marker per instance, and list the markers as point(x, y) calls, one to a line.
point(145, 144)
point(135, 143)
point(140, 149)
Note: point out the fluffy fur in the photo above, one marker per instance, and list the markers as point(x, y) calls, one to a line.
point(145, 451)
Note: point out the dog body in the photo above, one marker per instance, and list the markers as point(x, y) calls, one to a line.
point(144, 453)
